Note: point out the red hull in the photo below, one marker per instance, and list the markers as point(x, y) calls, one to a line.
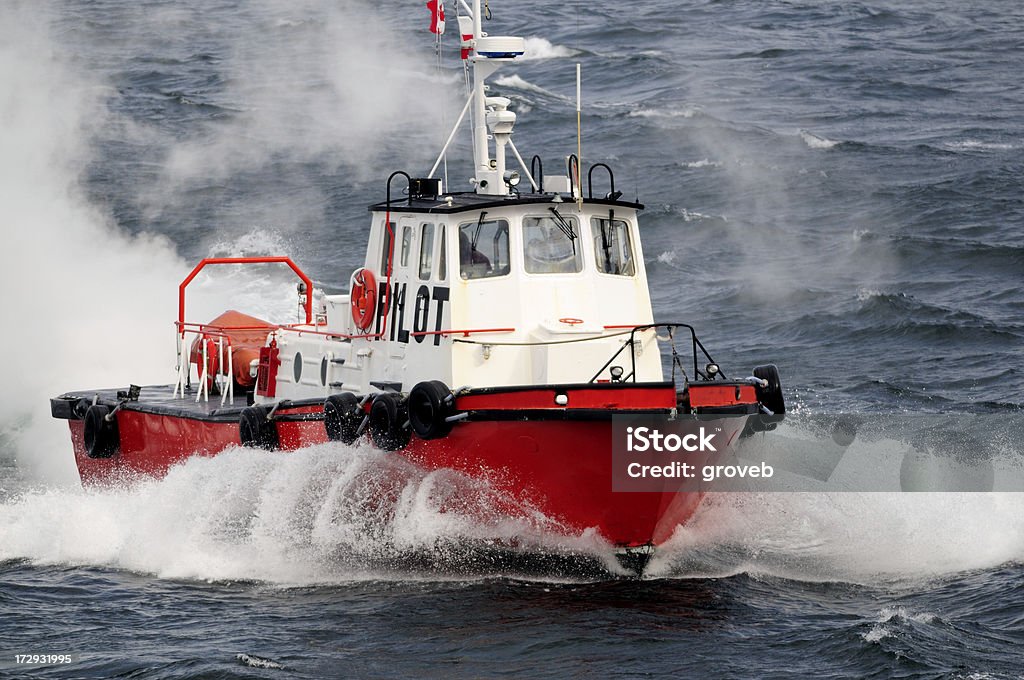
point(518, 441)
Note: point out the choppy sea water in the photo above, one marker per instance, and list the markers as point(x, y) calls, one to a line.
point(833, 187)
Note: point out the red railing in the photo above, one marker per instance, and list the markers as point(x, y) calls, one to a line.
point(244, 260)
point(463, 332)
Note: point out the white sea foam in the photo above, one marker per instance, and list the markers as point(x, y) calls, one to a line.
point(856, 537)
point(539, 48)
point(977, 145)
point(321, 514)
point(865, 294)
point(880, 631)
point(257, 661)
point(519, 83)
point(817, 142)
point(684, 112)
point(895, 612)
point(703, 163)
point(876, 634)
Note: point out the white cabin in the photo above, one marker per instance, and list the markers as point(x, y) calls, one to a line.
point(487, 293)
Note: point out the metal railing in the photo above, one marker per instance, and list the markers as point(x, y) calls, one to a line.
point(222, 377)
point(631, 343)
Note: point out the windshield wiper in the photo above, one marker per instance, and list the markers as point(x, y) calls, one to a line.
point(566, 228)
point(479, 227)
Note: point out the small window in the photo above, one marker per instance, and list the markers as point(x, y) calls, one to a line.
point(612, 248)
point(387, 239)
point(406, 245)
point(426, 250)
point(442, 257)
point(551, 245)
point(483, 249)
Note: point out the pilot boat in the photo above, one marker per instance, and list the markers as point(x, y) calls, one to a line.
point(498, 332)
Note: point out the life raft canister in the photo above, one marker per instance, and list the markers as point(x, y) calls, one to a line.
point(363, 298)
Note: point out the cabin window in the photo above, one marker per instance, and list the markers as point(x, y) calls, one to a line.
point(551, 245)
point(442, 257)
point(426, 250)
point(612, 247)
point(406, 245)
point(387, 237)
point(483, 249)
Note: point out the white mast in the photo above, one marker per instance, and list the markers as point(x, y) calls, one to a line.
point(491, 116)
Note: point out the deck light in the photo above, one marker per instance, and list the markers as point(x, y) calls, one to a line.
point(616, 372)
point(712, 370)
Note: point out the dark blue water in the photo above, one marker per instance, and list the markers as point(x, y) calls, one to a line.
point(832, 187)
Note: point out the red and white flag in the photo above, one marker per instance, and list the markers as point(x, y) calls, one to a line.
point(436, 8)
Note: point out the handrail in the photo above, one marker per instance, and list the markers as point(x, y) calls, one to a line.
point(590, 178)
point(463, 332)
point(217, 327)
point(631, 343)
point(244, 260)
point(329, 334)
point(225, 364)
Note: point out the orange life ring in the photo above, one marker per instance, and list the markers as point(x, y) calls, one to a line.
point(570, 320)
point(363, 299)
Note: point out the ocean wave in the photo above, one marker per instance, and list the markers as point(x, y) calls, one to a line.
point(816, 142)
point(539, 48)
point(682, 112)
point(702, 163)
point(977, 145)
point(519, 83)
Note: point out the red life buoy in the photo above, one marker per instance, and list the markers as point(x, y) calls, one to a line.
point(570, 321)
point(363, 300)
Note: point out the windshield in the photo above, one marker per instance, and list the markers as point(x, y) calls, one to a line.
point(614, 253)
point(483, 249)
point(548, 249)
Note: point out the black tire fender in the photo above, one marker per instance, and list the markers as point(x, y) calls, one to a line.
point(430, 404)
point(102, 439)
point(770, 396)
point(342, 417)
point(256, 431)
point(389, 426)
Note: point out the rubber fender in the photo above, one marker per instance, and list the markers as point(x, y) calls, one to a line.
point(342, 417)
point(102, 439)
point(255, 431)
point(430, 404)
point(770, 396)
point(389, 422)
